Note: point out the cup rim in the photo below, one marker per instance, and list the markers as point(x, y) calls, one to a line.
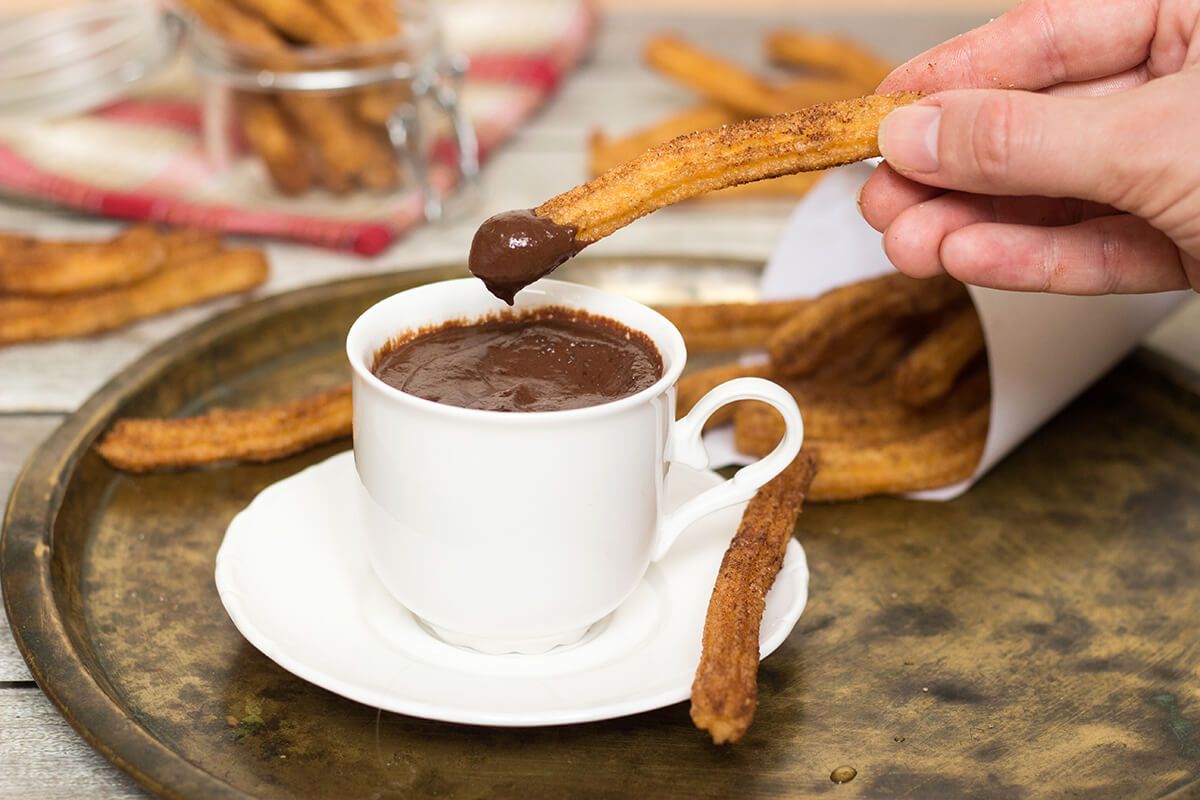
point(673, 363)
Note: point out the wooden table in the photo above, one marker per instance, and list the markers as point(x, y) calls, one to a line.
point(40, 755)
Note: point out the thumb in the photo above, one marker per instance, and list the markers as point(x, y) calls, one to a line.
point(1000, 142)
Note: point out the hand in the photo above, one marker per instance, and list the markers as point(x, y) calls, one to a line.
point(1086, 182)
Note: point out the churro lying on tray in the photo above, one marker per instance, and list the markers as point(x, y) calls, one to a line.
point(515, 248)
point(62, 267)
point(725, 689)
point(261, 434)
point(27, 318)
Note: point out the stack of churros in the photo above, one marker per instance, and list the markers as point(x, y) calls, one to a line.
point(54, 289)
point(337, 141)
point(890, 374)
point(819, 68)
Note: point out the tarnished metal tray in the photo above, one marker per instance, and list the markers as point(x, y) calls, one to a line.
point(1037, 637)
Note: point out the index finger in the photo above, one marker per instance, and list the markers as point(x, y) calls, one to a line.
point(1036, 44)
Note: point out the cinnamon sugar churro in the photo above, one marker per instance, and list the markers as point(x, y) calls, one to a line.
point(513, 249)
point(27, 318)
point(894, 391)
point(725, 689)
point(829, 54)
point(62, 267)
point(261, 434)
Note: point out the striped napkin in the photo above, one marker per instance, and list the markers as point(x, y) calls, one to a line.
point(142, 158)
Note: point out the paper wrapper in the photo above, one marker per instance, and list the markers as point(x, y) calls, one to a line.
point(1043, 350)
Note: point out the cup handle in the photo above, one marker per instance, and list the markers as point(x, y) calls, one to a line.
point(685, 446)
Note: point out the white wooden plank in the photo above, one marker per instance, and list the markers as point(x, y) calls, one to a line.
point(41, 756)
point(19, 436)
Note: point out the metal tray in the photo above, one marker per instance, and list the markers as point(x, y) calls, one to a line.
point(1034, 638)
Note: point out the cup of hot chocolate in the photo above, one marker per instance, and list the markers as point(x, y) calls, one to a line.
point(514, 459)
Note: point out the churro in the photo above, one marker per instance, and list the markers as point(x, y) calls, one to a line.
point(725, 689)
point(513, 249)
point(815, 332)
point(300, 20)
point(284, 153)
point(260, 434)
point(732, 86)
point(927, 372)
point(835, 55)
point(174, 286)
point(605, 152)
point(64, 267)
point(710, 327)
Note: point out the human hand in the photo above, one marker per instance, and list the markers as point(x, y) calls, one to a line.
point(1086, 182)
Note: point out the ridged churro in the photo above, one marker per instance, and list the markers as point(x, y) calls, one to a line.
point(710, 327)
point(27, 318)
point(927, 372)
point(63, 266)
point(283, 152)
point(725, 689)
point(815, 332)
point(826, 53)
point(260, 434)
point(513, 249)
point(606, 152)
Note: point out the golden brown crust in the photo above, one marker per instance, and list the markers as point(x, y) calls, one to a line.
point(928, 371)
point(814, 333)
point(709, 327)
point(25, 319)
point(813, 138)
point(63, 267)
point(735, 88)
point(836, 55)
point(300, 20)
point(725, 689)
point(271, 135)
point(261, 434)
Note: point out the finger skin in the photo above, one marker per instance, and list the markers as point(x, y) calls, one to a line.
point(913, 239)
point(886, 193)
point(1036, 44)
point(1117, 254)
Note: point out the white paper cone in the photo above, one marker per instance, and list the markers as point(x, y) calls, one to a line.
point(1043, 349)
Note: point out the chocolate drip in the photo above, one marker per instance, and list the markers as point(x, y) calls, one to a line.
point(513, 249)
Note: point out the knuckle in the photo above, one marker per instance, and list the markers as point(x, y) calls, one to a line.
point(992, 139)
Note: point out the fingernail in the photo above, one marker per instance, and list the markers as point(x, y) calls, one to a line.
point(908, 138)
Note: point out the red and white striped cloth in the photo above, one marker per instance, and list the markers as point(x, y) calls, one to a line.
point(143, 158)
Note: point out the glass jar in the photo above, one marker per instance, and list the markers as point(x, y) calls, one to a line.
point(64, 58)
point(353, 107)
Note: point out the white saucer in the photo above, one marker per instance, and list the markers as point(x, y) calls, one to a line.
point(293, 575)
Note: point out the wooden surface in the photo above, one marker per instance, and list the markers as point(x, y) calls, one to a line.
point(40, 755)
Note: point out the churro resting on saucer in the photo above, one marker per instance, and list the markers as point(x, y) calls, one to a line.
point(725, 690)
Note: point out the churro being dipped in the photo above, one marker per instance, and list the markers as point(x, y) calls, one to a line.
point(515, 248)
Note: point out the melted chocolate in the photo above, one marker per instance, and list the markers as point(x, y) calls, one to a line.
point(513, 249)
point(547, 360)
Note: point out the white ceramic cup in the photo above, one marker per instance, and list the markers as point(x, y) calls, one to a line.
point(515, 532)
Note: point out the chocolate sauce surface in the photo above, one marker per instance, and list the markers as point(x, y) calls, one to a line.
point(547, 360)
point(513, 249)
